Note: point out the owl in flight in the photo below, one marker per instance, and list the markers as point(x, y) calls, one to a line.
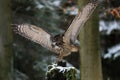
point(61, 44)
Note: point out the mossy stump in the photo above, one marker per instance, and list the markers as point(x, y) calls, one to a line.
point(58, 72)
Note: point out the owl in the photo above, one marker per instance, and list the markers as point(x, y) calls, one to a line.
point(62, 44)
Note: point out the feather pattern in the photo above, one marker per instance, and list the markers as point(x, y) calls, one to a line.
point(62, 46)
point(79, 21)
point(36, 35)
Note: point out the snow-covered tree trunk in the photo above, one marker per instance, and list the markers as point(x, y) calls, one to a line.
point(90, 57)
point(6, 57)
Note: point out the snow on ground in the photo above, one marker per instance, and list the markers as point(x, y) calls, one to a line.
point(107, 27)
point(113, 52)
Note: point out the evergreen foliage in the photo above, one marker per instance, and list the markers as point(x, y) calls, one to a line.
point(60, 73)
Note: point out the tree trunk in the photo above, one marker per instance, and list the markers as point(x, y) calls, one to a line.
point(90, 57)
point(6, 57)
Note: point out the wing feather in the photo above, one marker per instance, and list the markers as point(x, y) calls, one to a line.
point(78, 22)
point(35, 34)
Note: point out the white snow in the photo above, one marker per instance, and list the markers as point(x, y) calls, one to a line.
point(108, 26)
point(113, 52)
point(73, 11)
point(48, 3)
point(61, 69)
point(38, 5)
point(56, 3)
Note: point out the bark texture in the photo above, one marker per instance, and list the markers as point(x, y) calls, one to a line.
point(90, 57)
point(6, 57)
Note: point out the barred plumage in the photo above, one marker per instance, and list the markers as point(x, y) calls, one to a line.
point(64, 46)
point(35, 34)
point(79, 21)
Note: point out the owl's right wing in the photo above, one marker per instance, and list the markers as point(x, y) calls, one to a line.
point(35, 34)
point(78, 22)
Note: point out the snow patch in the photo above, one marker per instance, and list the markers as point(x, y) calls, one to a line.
point(60, 68)
point(113, 52)
point(72, 10)
point(57, 3)
point(109, 26)
point(38, 5)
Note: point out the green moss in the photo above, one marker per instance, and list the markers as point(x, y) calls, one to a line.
point(61, 73)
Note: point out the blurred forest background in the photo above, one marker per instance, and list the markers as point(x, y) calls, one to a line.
point(31, 60)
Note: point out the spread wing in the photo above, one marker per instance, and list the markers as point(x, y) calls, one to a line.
point(78, 22)
point(35, 34)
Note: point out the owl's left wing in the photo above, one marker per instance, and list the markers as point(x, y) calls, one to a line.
point(78, 22)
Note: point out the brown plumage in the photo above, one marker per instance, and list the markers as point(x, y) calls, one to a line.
point(61, 44)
